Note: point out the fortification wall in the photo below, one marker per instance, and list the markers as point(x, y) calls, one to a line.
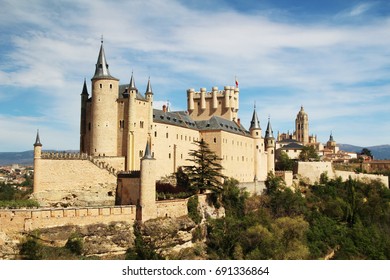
point(172, 208)
point(75, 182)
point(313, 170)
point(362, 176)
point(287, 176)
point(21, 220)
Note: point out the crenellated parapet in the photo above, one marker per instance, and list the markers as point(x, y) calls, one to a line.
point(64, 155)
point(203, 104)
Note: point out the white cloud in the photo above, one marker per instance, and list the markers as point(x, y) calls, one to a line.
point(332, 69)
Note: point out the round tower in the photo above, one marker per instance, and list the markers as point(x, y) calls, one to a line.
point(104, 109)
point(37, 163)
point(147, 201)
point(255, 131)
point(270, 147)
point(130, 158)
point(302, 127)
point(149, 97)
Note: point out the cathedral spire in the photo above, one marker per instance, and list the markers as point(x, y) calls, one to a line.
point(37, 140)
point(101, 70)
point(269, 133)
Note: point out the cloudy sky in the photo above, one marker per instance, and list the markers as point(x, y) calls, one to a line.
point(331, 56)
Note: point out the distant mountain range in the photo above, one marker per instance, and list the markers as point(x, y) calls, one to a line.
point(379, 152)
point(27, 157)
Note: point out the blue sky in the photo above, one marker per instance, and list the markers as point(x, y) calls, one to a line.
point(332, 57)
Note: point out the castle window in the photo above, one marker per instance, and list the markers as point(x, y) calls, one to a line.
point(155, 134)
point(101, 86)
point(110, 86)
point(257, 133)
point(257, 146)
point(89, 126)
point(141, 124)
point(215, 140)
point(185, 137)
point(141, 153)
point(181, 156)
point(169, 155)
point(166, 134)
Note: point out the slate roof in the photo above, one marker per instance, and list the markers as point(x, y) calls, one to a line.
point(181, 118)
point(292, 146)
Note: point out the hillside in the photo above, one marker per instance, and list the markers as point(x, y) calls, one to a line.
point(379, 152)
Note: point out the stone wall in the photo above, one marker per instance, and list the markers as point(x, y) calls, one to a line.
point(21, 220)
point(172, 208)
point(77, 182)
point(313, 170)
point(287, 176)
point(362, 176)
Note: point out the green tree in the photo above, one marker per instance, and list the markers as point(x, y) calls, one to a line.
point(205, 174)
point(309, 153)
point(284, 162)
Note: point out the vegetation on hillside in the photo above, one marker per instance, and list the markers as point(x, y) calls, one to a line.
point(335, 219)
point(13, 197)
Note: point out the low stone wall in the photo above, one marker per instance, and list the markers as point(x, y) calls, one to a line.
point(313, 170)
point(172, 208)
point(362, 176)
point(253, 187)
point(23, 220)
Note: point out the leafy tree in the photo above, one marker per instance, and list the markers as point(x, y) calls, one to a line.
point(309, 153)
point(205, 174)
point(273, 183)
point(284, 162)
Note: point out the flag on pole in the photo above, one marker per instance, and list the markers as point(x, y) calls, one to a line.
point(236, 82)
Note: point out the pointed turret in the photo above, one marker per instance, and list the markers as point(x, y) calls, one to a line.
point(37, 140)
point(101, 70)
point(255, 123)
point(85, 90)
point(149, 88)
point(148, 154)
point(269, 134)
point(132, 83)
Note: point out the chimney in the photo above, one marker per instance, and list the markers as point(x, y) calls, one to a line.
point(239, 121)
point(164, 108)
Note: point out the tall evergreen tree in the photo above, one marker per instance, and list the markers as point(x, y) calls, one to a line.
point(205, 174)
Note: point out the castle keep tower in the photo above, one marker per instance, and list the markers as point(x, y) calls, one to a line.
point(203, 105)
point(104, 115)
point(302, 127)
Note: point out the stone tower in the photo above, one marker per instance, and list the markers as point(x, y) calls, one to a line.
point(83, 119)
point(147, 202)
point(302, 127)
point(270, 147)
point(130, 164)
point(104, 109)
point(331, 144)
point(37, 162)
point(255, 131)
point(202, 105)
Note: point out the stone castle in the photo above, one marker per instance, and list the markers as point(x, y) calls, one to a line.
point(126, 144)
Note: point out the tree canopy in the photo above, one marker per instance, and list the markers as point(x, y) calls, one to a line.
point(205, 173)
